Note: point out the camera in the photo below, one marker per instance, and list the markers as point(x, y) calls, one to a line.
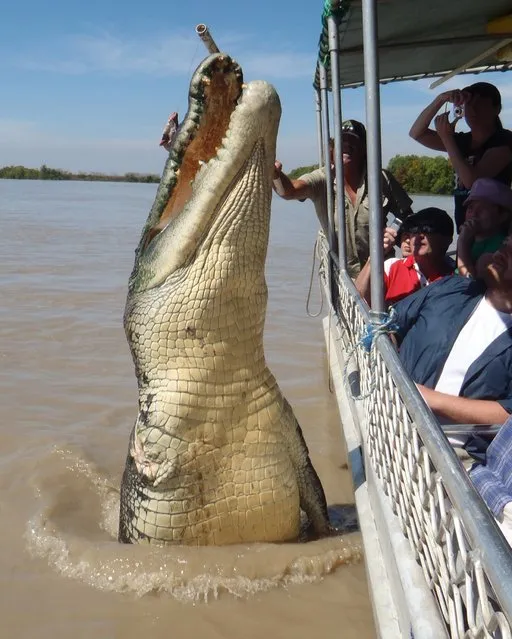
point(395, 224)
point(458, 111)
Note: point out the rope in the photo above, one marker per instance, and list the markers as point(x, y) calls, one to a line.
point(308, 299)
point(383, 323)
point(339, 11)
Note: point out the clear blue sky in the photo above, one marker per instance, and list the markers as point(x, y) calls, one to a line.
point(88, 85)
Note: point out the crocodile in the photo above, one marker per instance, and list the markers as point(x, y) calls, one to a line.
point(216, 455)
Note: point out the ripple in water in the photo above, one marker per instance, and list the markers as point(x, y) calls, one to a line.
point(76, 532)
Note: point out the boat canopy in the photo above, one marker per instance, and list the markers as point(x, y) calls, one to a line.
point(418, 39)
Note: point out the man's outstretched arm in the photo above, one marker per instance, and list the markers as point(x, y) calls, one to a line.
point(463, 410)
point(289, 189)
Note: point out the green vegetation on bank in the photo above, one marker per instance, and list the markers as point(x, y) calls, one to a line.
point(423, 174)
point(416, 173)
point(46, 173)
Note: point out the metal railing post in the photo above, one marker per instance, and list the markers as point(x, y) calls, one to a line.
point(373, 152)
point(334, 48)
point(331, 236)
point(324, 103)
point(319, 128)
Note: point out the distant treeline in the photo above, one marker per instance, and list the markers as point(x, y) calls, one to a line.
point(416, 173)
point(47, 173)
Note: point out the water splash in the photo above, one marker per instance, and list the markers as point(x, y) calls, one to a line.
point(91, 554)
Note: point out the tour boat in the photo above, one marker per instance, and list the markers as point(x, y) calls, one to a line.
point(437, 564)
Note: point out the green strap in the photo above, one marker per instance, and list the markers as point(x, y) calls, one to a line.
point(339, 11)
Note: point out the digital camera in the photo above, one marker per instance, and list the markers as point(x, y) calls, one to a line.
point(395, 224)
point(458, 111)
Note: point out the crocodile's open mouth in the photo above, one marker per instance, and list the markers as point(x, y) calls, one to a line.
point(214, 94)
point(219, 169)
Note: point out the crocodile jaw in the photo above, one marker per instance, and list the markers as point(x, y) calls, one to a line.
point(213, 157)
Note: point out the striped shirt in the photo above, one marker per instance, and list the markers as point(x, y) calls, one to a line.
point(493, 480)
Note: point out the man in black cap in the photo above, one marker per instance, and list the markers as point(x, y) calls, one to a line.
point(484, 151)
point(313, 186)
point(431, 233)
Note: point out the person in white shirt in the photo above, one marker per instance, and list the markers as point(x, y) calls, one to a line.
point(455, 340)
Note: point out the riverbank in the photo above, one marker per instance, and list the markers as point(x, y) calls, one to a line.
point(418, 174)
point(47, 173)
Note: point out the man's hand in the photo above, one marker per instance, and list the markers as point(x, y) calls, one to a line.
point(445, 129)
point(389, 240)
point(278, 169)
point(467, 232)
point(465, 263)
point(455, 96)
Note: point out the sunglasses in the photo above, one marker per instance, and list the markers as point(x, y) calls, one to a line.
point(348, 127)
point(424, 229)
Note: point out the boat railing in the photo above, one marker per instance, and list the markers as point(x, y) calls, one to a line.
point(465, 560)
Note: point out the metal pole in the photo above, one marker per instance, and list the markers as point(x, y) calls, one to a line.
point(324, 103)
point(204, 34)
point(373, 152)
point(318, 114)
point(471, 63)
point(334, 48)
point(331, 237)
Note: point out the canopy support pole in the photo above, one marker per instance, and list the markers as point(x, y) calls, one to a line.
point(495, 47)
point(334, 49)
point(331, 236)
point(373, 151)
point(318, 114)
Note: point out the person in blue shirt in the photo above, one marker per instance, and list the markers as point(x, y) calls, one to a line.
point(493, 479)
point(455, 341)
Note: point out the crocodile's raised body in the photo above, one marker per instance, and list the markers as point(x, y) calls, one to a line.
point(216, 455)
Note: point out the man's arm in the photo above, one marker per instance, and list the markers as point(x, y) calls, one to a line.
point(362, 282)
point(466, 239)
point(289, 189)
point(492, 162)
point(463, 410)
point(420, 130)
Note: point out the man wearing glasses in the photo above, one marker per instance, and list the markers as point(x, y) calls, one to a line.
point(431, 233)
point(313, 186)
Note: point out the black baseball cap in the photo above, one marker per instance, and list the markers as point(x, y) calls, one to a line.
point(353, 127)
point(429, 220)
point(486, 90)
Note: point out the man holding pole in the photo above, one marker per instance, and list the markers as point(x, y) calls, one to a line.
point(313, 186)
